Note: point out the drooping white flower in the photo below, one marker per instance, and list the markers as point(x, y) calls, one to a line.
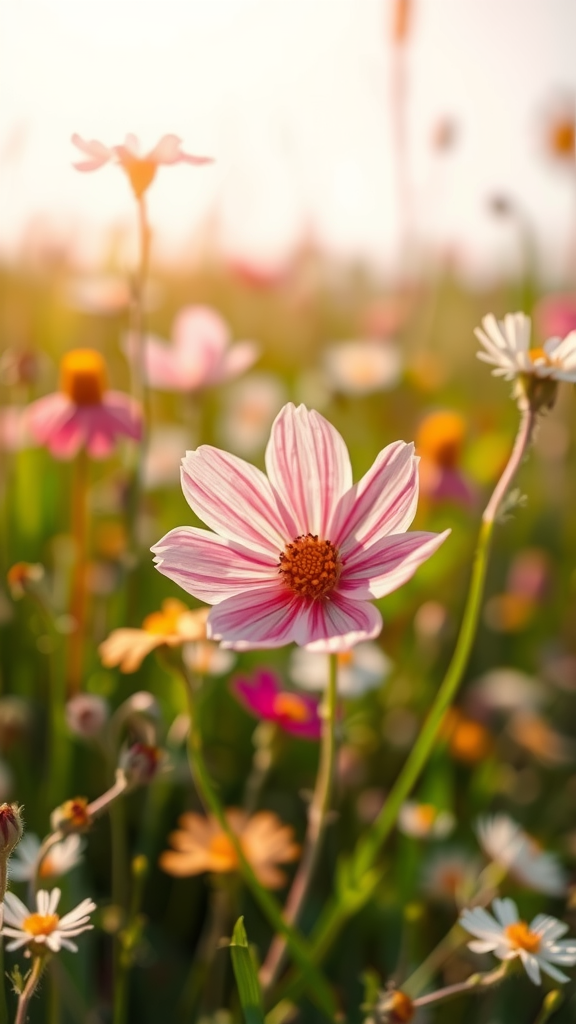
point(507, 936)
point(59, 860)
point(507, 844)
point(507, 347)
point(43, 929)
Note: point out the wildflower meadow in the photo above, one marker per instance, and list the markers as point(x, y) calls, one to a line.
point(288, 609)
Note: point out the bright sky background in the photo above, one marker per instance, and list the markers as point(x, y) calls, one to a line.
point(292, 98)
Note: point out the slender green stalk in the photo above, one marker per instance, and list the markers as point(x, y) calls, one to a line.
point(476, 983)
point(317, 821)
point(356, 889)
point(298, 947)
point(29, 989)
point(439, 955)
point(78, 599)
point(3, 1006)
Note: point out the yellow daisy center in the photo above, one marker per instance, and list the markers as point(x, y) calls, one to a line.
point(520, 937)
point(290, 705)
point(344, 658)
point(310, 567)
point(425, 815)
point(40, 924)
point(83, 376)
point(562, 138)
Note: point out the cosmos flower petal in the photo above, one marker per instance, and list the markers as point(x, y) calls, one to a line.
point(388, 564)
point(309, 469)
point(337, 625)
point(210, 567)
point(239, 358)
point(98, 154)
point(234, 498)
point(383, 502)
point(262, 617)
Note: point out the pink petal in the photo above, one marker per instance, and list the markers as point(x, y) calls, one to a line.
point(386, 565)
point(257, 695)
point(98, 153)
point(262, 618)
point(122, 414)
point(238, 359)
point(211, 568)
point(162, 365)
point(337, 624)
point(309, 469)
point(131, 146)
point(234, 499)
point(166, 151)
point(383, 502)
point(201, 338)
point(53, 422)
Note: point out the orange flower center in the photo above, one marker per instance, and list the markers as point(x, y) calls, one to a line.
point(470, 741)
point(440, 438)
point(83, 376)
point(141, 174)
point(165, 621)
point(539, 354)
point(40, 924)
point(310, 567)
point(520, 937)
point(425, 815)
point(224, 854)
point(290, 705)
point(400, 1007)
point(344, 658)
point(74, 814)
point(562, 138)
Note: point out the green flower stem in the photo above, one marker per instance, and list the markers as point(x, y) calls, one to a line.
point(439, 955)
point(78, 600)
point(317, 821)
point(298, 947)
point(360, 878)
point(476, 983)
point(28, 991)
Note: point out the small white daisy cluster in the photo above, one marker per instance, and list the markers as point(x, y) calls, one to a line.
point(43, 930)
point(507, 347)
point(536, 944)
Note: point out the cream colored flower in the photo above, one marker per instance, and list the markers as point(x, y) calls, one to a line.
point(174, 625)
point(43, 929)
point(506, 843)
point(423, 821)
point(201, 845)
point(362, 367)
point(59, 860)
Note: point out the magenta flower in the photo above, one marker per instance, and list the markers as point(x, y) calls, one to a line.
point(294, 712)
point(200, 354)
point(556, 315)
point(83, 414)
point(299, 555)
point(141, 170)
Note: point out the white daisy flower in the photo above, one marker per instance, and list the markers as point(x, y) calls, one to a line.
point(507, 347)
point(505, 935)
point(362, 367)
point(450, 875)
point(424, 821)
point(361, 669)
point(43, 929)
point(506, 843)
point(59, 860)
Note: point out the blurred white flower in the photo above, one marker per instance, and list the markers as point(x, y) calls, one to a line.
point(505, 935)
point(424, 820)
point(362, 367)
point(507, 689)
point(507, 347)
point(251, 406)
point(506, 843)
point(206, 658)
point(59, 860)
point(164, 452)
point(361, 669)
point(450, 875)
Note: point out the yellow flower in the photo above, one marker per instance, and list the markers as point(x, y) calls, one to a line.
point(201, 845)
point(175, 624)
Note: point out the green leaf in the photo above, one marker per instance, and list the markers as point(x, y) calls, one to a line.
point(246, 976)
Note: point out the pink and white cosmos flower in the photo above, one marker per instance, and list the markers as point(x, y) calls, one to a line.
point(299, 555)
point(200, 354)
point(141, 169)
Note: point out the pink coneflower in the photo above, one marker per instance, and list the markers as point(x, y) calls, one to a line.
point(141, 170)
point(200, 354)
point(297, 556)
point(440, 441)
point(83, 414)
point(264, 697)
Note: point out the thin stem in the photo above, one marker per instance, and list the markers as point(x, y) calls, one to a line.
point(3, 1006)
point(368, 847)
point(298, 946)
point(428, 968)
point(474, 983)
point(78, 598)
point(317, 821)
point(29, 989)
